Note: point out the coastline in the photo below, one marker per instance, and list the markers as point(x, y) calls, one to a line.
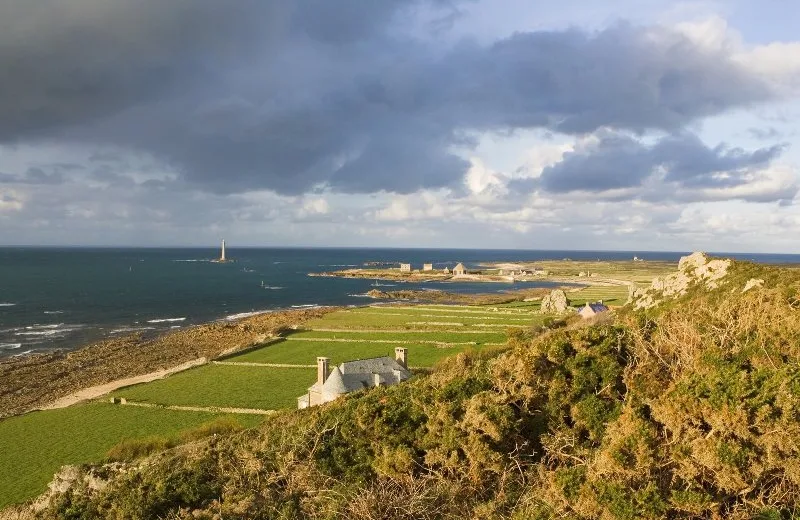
point(37, 381)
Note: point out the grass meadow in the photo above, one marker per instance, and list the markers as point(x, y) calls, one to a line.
point(34, 446)
point(613, 295)
point(306, 352)
point(443, 336)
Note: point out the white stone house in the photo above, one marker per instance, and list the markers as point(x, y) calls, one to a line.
point(351, 376)
point(427, 267)
point(590, 310)
point(459, 269)
point(405, 268)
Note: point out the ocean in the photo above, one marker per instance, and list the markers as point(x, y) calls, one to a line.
point(62, 298)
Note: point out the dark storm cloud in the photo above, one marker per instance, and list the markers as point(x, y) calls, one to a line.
point(35, 175)
point(292, 96)
point(619, 161)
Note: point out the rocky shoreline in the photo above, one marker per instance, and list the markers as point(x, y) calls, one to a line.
point(33, 382)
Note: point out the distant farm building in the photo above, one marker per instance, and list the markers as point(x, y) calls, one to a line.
point(459, 269)
point(590, 310)
point(351, 376)
point(427, 267)
point(405, 268)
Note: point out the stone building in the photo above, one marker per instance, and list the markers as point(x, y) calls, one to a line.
point(405, 268)
point(590, 310)
point(427, 267)
point(351, 376)
point(459, 269)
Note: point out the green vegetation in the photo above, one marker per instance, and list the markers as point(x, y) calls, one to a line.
point(613, 295)
point(34, 446)
point(130, 449)
point(445, 337)
point(306, 352)
point(688, 410)
point(387, 317)
point(639, 272)
point(226, 386)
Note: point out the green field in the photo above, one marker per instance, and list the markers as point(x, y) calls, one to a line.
point(613, 295)
point(226, 386)
point(444, 336)
point(34, 446)
point(306, 352)
point(417, 320)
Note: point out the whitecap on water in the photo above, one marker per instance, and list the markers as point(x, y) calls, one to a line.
point(10, 346)
point(166, 320)
point(241, 315)
point(7, 304)
point(125, 330)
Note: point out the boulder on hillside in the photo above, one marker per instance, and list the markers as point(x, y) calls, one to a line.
point(692, 269)
point(556, 301)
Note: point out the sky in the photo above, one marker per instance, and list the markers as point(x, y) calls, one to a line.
point(618, 125)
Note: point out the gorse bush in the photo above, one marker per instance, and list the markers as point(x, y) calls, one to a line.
point(689, 410)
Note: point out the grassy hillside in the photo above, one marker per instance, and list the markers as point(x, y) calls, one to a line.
point(687, 410)
point(34, 446)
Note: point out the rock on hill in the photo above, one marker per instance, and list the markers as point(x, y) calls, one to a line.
point(693, 270)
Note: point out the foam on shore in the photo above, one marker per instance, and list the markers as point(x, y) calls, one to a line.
point(241, 315)
point(125, 330)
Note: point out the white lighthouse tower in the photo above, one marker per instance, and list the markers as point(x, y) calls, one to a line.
point(222, 254)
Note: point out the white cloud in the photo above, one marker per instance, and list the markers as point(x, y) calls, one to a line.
point(777, 62)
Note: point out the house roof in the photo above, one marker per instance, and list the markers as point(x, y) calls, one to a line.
point(596, 307)
point(375, 365)
point(359, 374)
point(459, 267)
point(335, 383)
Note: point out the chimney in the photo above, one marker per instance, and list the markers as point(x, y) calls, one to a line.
point(376, 380)
point(322, 370)
point(601, 302)
point(401, 356)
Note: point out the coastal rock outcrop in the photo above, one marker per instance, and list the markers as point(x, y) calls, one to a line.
point(753, 283)
point(556, 301)
point(692, 269)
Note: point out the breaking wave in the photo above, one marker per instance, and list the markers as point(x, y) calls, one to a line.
point(166, 320)
point(125, 330)
point(241, 315)
point(53, 329)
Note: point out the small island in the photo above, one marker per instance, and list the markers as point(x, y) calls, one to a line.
point(586, 272)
